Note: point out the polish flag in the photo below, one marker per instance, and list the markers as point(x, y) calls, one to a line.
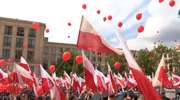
point(75, 82)
point(4, 77)
point(89, 73)
point(143, 84)
point(89, 40)
point(119, 82)
point(3, 62)
point(43, 84)
point(111, 77)
point(100, 81)
point(176, 80)
point(109, 87)
point(47, 81)
point(24, 75)
point(161, 77)
point(56, 92)
point(24, 64)
point(67, 80)
point(130, 81)
point(81, 83)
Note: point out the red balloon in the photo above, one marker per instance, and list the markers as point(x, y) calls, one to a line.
point(140, 29)
point(52, 69)
point(117, 65)
point(47, 30)
point(160, 1)
point(104, 19)
point(139, 16)
point(84, 6)
point(36, 26)
point(172, 3)
point(79, 59)
point(98, 11)
point(69, 24)
point(120, 24)
point(109, 17)
point(66, 56)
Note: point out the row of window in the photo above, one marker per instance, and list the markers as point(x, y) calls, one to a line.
point(18, 54)
point(20, 31)
point(19, 42)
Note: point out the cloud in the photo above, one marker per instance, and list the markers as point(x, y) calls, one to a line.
point(163, 25)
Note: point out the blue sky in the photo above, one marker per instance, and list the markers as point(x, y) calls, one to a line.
point(57, 13)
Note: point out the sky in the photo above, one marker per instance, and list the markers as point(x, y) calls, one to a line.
point(161, 22)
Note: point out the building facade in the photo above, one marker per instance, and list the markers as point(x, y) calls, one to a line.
point(54, 51)
point(17, 38)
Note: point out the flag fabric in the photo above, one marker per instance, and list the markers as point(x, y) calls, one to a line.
point(111, 77)
point(109, 85)
point(75, 82)
point(130, 81)
point(47, 81)
point(161, 77)
point(4, 77)
point(176, 80)
point(120, 83)
point(89, 73)
point(2, 62)
point(100, 81)
point(24, 76)
point(143, 84)
point(81, 83)
point(24, 64)
point(89, 40)
point(67, 80)
point(56, 92)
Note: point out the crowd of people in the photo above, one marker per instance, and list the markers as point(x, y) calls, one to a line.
point(127, 94)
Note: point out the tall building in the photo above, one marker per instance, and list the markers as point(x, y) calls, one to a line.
point(17, 38)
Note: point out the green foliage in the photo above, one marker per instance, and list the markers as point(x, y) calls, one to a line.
point(148, 60)
point(69, 66)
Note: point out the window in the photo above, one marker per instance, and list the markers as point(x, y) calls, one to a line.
point(18, 54)
point(31, 43)
point(6, 53)
point(19, 42)
point(32, 33)
point(30, 56)
point(8, 30)
point(20, 31)
point(7, 42)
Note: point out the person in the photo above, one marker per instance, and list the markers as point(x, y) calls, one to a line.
point(177, 94)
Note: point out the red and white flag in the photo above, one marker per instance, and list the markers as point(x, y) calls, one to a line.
point(176, 80)
point(67, 80)
point(56, 92)
point(161, 77)
point(25, 75)
point(100, 81)
point(119, 82)
point(75, 82)
point(24, 64)
point(4, 77)
point(109, 87)
point(43, 84)
point(89, 40)
point(89, 73)
point(111, 77)
point(143, 84)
